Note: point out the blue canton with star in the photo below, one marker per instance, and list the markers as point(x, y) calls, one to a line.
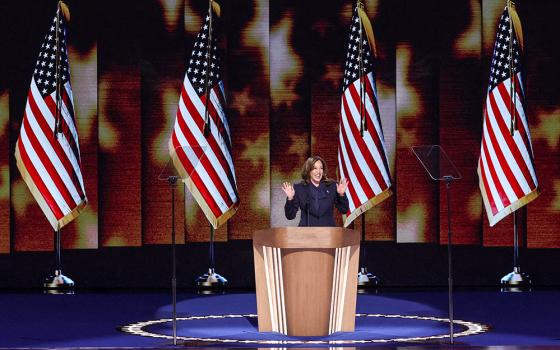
point(198, 64)
point(45, 69)
point(352, 65)
point(501, 60)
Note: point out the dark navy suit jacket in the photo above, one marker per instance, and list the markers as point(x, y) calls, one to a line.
point(318, 203)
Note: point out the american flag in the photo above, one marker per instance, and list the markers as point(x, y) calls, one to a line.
point(506, 168)
point(362, 157)
point(47, 152)
point(205, 162)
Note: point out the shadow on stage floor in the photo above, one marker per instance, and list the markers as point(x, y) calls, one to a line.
point(403, 319)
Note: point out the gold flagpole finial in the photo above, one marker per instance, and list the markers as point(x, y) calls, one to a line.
point(516, 22)
point(65, 11)
point(216, 7)
point(360, 4)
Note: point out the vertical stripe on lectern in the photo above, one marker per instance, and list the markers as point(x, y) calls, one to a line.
point(279, 291)
point(344, 279)
point(283, 324)
point(338, 289)
point(270, 289)
point(275, 289)
point(334, 292)
point(276, 297)
point(340, 276)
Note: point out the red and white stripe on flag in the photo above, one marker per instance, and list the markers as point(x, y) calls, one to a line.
point(49, 161)
point(204, 161)
point(506, 169)
point(362, 157)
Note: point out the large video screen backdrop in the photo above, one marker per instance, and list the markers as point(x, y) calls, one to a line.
point(282, 63)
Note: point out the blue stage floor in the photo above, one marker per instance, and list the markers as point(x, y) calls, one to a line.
point(388, 318)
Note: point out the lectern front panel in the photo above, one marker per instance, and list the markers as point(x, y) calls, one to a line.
point(306, 291)
point(308, 286)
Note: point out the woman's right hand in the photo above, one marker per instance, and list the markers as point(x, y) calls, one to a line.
point(288, 190)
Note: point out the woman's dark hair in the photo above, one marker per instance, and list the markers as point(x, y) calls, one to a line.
point(308, 166)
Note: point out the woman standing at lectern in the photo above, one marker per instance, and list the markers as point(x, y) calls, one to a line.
point(316, 195)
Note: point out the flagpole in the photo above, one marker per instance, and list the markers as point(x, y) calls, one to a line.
point(512, 80)
point(207, 78)
point(58, 283)
point(210, 279)
point(363, 123)
point(365, 278)
point(515, 280)
point(58, 76)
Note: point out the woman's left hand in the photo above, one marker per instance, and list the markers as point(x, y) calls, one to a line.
point(342, 186)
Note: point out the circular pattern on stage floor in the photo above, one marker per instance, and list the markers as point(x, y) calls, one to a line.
point(242, 329)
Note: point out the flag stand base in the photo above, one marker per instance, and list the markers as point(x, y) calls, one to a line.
point(516, 281)
point(367, 279)
point(211, 280)
point(58, 283)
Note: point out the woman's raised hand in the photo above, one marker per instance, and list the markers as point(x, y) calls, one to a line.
point(342, 186)
point(288, 190)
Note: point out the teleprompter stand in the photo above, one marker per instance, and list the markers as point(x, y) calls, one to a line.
point(440, 168)
point(179, 168)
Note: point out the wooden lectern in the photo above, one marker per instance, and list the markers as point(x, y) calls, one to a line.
point(306, 279)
